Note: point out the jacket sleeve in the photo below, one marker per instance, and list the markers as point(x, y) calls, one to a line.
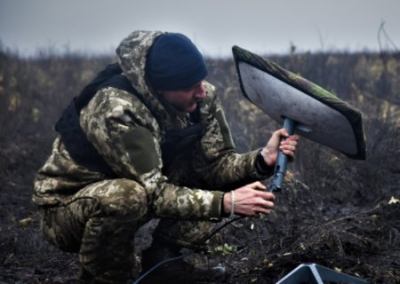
point(126, 134)
point(217, 161)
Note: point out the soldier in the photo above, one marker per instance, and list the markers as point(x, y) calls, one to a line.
point(147, 138)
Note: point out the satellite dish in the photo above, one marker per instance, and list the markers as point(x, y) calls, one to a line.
point(303, 107)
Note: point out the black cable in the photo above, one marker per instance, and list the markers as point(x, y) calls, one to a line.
point(223, 226)
point(159, 264)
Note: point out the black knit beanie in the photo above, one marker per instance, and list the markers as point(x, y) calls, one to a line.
point(174, 63)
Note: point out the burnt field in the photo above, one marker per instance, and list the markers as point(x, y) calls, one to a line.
point(333, 211)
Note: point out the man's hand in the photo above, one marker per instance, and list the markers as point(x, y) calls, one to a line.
point(270, 151)
point(250, 200)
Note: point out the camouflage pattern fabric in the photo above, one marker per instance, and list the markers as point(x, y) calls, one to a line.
point(81, 208)
point(99, 222)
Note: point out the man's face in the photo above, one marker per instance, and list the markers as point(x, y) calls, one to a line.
point(185, 100)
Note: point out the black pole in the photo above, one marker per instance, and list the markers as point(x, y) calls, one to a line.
point(281, 163)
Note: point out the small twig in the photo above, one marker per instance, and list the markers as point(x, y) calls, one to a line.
point(352, 216)
point(382, 30)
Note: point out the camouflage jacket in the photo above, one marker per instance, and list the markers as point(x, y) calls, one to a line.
point(127, 131)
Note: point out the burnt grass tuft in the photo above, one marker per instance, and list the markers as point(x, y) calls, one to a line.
point(333, 211)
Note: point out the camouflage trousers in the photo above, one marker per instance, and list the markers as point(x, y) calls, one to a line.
point(100, 220)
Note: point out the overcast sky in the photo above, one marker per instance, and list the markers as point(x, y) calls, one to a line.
point(261, 26)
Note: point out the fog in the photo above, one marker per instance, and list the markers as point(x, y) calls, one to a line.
point(262, 26)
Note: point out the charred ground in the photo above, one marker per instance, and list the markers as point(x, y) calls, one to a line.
point(336, 212)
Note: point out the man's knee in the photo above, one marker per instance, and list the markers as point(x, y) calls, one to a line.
point(120, 198)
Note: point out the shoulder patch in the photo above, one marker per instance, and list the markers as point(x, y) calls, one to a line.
point(139, 143)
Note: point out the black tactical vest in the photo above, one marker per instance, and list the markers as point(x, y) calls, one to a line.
point(85, 154)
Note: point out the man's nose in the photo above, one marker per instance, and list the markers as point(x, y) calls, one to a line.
point(200, 92)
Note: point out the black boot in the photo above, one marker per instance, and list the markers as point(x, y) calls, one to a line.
point(84, 276)
point(165, 264)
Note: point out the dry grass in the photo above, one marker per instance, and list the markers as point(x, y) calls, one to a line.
point(333, 211)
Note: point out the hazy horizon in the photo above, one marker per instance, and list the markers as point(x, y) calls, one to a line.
point(261, 26)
